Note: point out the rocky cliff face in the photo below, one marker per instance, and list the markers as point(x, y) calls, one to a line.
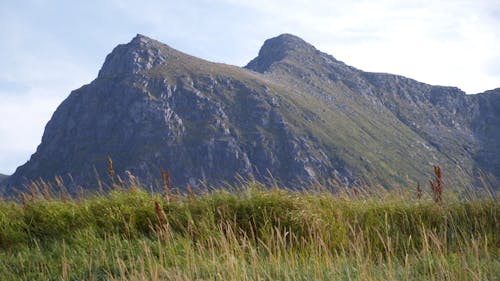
point(2, 178)
point(292, 112)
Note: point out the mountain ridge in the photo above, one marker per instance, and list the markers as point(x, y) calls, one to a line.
point(293, 111)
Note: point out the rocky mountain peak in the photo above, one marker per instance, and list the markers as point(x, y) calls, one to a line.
point(142, 39)
point(279, 48)
point(140, 54)
point(287, 42)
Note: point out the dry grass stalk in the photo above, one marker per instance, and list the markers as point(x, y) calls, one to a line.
point(34, 191)
point(159, 213)
point(355, 193)
point(166, 183)
point(419, 191)
point(59, 181)
point(111, 171)
point(64, 196)
point(177, 193)
point(437, 186)
point(190, 192)
point(46, 190)
point(24, 200)
point(121, 182)
point(206, 191)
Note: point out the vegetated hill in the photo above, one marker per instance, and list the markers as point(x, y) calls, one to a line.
point(293, 112)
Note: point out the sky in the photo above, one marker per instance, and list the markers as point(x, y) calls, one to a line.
point(49, 48)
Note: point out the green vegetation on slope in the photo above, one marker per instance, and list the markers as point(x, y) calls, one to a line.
point(249, 234)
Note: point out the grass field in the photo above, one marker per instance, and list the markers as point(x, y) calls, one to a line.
point(249, 233)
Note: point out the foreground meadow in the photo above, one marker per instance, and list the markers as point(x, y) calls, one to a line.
point(249, 233)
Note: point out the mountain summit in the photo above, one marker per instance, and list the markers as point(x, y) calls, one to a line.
point(142, 53)
point(278, 48)
point(293, 112)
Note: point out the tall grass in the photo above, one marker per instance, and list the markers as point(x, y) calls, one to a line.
point(249, 233)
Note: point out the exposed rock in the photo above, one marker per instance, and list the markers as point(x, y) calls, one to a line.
point(142, 53)
point(294, 113)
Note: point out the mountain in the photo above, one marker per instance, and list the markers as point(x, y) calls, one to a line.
point(2, 178)
point(293, 112)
